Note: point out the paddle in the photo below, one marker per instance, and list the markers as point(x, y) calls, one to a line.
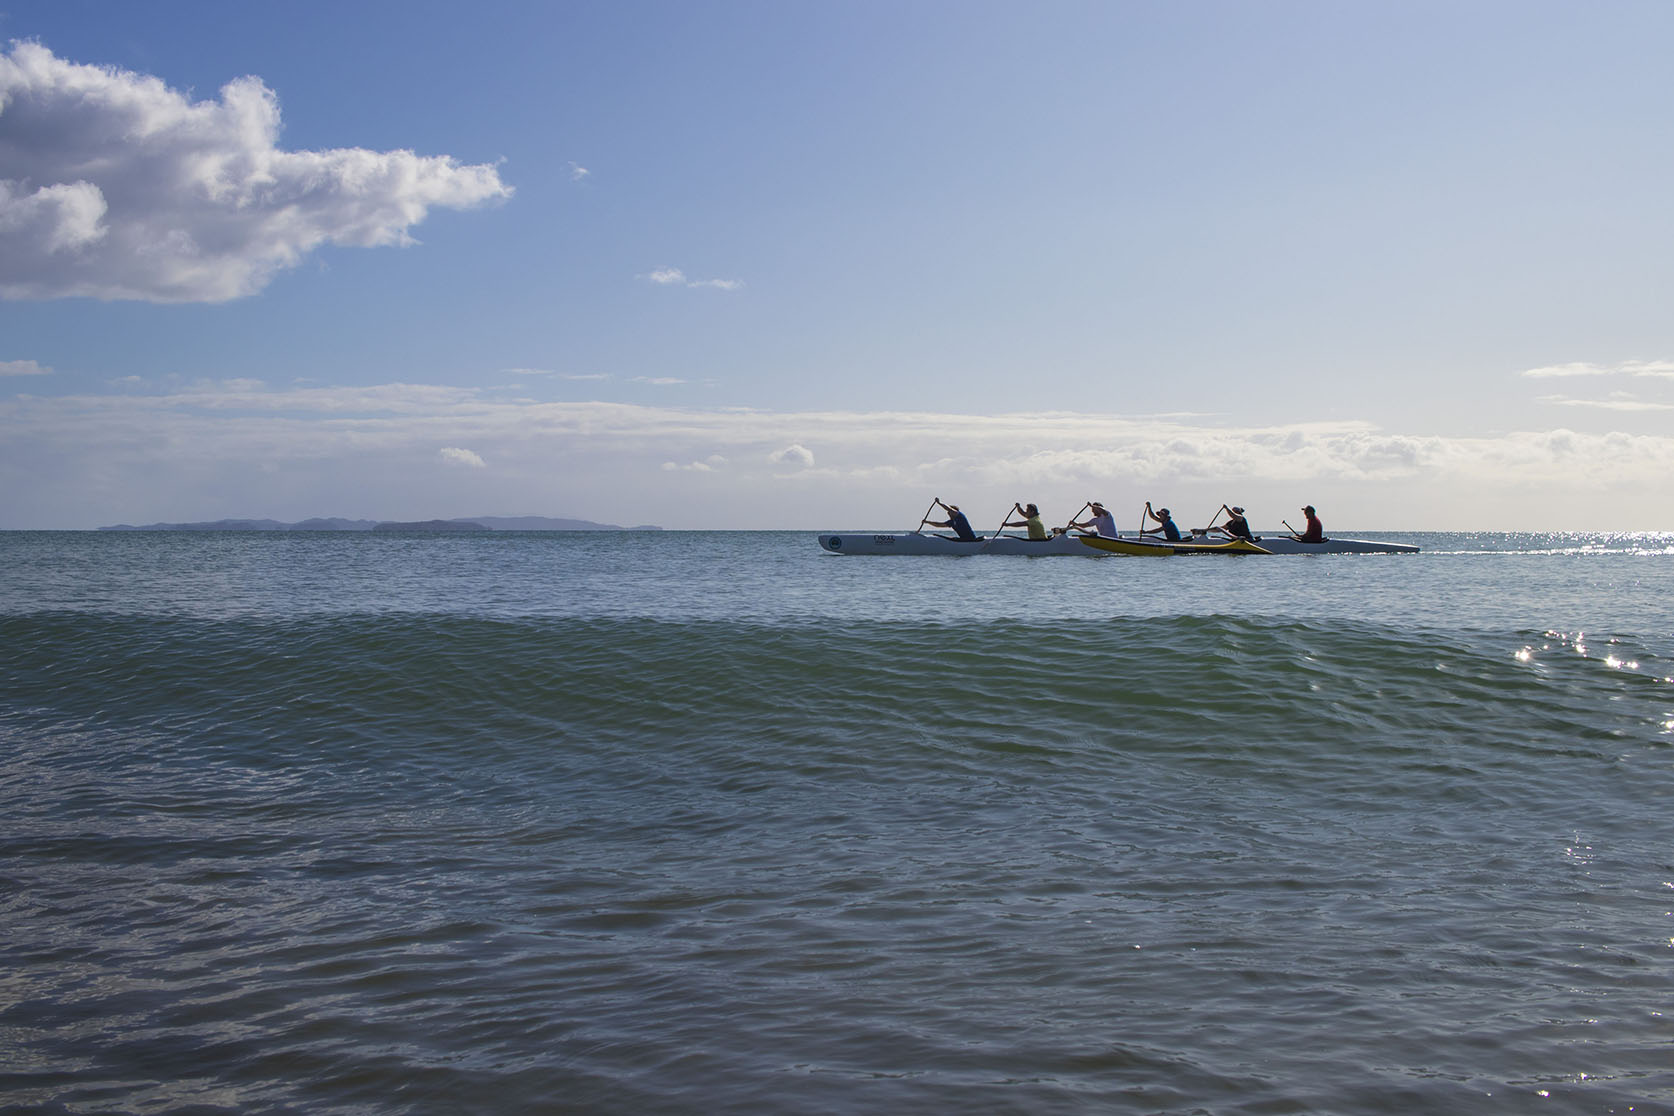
point(933, 502)
point(1076, 516)
point(1295, 534)
point(1145, 515)
point(1211, 527)
point(1001, 529)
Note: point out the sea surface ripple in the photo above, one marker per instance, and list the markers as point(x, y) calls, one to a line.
point(303, 825)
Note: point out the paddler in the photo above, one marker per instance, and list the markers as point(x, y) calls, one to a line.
point(957, 522)
point(1315, 530)
point(1236, 526)
point(1102, 522)
point(1031, 520)
point(1165, 524)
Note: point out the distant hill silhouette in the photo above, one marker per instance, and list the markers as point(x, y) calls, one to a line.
point(434, 525)
point(476, 523)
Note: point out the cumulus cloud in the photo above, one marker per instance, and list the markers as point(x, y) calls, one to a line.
point(22, 368)
point(453, 455)
point(793, 455)
point(114, 186)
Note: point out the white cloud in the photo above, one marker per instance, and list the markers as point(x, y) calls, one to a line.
point(793, 455)
point(578, 172)
point(453, 455)
point(129, 455)
point(709, 465)
point(674, 277)
point(1618, 401)
point(556, 374)
point(660, 381)
point(114, 186)
point(22, 368)
point(1656, 368)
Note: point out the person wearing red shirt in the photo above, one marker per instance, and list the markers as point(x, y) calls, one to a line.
point(1315, 530)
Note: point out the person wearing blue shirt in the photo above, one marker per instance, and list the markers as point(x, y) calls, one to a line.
point(957, 522)
point(1166, 525)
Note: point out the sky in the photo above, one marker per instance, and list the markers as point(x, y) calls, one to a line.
point(809, 265)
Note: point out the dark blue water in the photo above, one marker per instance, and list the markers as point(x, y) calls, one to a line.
point(715, 822)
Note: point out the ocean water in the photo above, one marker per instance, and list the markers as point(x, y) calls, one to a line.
point(714, 822)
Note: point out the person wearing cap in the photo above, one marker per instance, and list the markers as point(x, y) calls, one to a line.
point(1236, 526)
point(1165, 524)
point(957, 522)
point(1315, 530)
point(1101, 523)
point(1031, 520)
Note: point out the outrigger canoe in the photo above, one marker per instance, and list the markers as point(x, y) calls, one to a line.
point(1093, 546)
point(916, 542)
point(1278, 544)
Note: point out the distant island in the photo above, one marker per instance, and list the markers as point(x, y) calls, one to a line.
point(478, 523)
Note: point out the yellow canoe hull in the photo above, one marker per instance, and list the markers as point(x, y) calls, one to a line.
point(1159, 548)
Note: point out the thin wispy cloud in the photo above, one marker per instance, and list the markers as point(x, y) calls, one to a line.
point(674, 277)
point(660, 381)
point(118, 187)
point(710, 464)
point(23, 368)
point(1616, 402)
point(1663, 369)
point(578, 172)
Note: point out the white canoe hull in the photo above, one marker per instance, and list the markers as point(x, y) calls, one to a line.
point(918, 544)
